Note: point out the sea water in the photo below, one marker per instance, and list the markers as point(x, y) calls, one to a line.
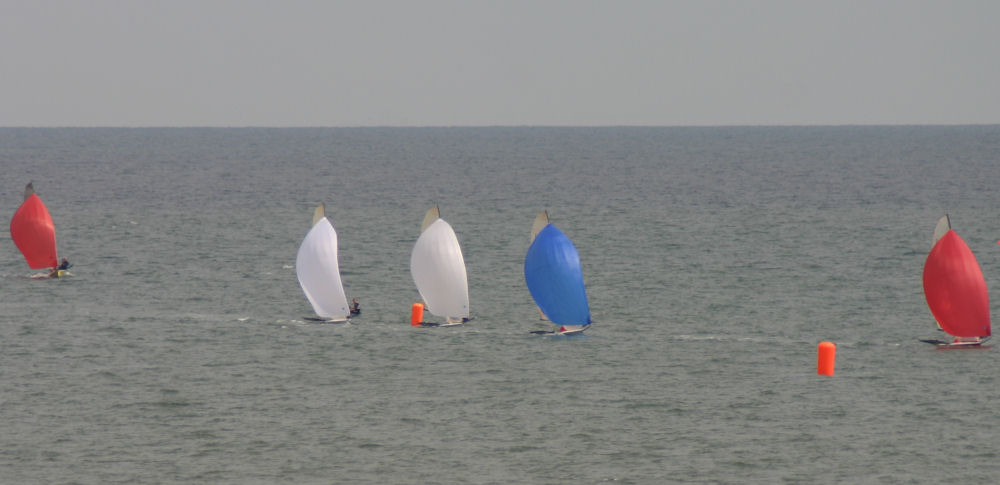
point(716, 259)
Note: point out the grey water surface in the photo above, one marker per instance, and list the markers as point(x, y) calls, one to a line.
point(716, 259)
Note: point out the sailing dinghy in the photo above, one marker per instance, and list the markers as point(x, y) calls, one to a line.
point(438, 270)
point(555, 280)
point(956, 290)
point(318, 271)
point(34, 234)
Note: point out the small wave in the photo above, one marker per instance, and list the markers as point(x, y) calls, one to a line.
point(725, 338)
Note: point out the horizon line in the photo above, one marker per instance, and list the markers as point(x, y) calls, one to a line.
point(734, 125)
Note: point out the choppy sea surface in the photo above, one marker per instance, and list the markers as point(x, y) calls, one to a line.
point(716, 259)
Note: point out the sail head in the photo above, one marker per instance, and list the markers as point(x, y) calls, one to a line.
point(541, 221)
point(432, 214)
point(319, 213)
point(942, 227)
point(28, 190)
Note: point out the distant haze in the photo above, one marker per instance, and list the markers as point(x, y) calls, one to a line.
point(445, 63)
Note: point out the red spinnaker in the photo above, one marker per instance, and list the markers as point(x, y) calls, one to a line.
point(34, 234)
point(955, 289)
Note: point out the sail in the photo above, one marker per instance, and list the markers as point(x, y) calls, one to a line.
point(555, 280)
point(433, 214)
point(955, 289)
point(319, 213)
point(319, 272)
point(942, 227)
point(33, 232)
point(438, 270)
point(541, 221)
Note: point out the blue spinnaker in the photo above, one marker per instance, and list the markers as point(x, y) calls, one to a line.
point(552, 272)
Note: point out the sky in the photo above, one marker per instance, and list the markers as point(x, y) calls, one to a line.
point(498, 63)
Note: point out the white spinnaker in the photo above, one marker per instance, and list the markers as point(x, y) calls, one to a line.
point(438, 270)
point(319, 272)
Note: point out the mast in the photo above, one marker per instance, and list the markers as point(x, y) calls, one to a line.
point(541, 220)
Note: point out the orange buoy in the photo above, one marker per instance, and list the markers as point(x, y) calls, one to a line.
point(827, 357)
point(416, 314)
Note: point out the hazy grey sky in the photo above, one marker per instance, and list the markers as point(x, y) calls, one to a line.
point(513, 62)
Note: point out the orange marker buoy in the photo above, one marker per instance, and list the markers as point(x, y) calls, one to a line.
point(416, 314)
point(827, 357)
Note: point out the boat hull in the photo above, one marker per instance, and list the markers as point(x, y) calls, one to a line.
point(62, 273)
point(945, 345)
point(325, 320)
point(445, 324)
point(566, 331)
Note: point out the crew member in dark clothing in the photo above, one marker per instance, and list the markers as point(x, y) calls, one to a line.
point(64, 265)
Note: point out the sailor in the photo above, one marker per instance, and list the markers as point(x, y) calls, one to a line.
point(64, 265)
point(355, 307)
